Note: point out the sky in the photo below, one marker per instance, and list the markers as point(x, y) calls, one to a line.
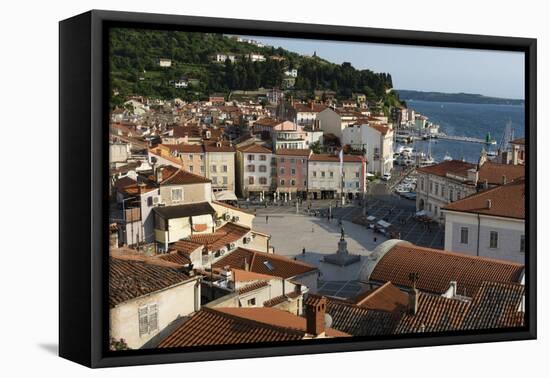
point(437, 69)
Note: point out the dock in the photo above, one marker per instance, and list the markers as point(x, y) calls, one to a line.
point(465, 139)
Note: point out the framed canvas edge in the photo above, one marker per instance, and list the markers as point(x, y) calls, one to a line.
point(98, 153)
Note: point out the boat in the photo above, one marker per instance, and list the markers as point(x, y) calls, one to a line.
point(447, 157)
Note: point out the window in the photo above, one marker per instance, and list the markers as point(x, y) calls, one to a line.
point(263, 158)
point(431, 187)
point(293, 171)
point(464, 235)
point(282, 160)
point(190, 168)
point(202, 168)
point(421, 184)
point(190, 156)
point(436, 189)
point(263, 168)
point(282, 182)
point(251, 180)
point(356, 184)
point(224, 180)
point(269, 265)
point(177, 194)
point(201, 157)
point(215, 180)
point(282, 171)
point(442, 191)
point(331, 174)
point(493, 239)
point(314, 174)
point(292, 161)
point(263, 181)
point(322, 173)
point(522, 244)
point(357, 174)
point(148, 319)
point(292, 182)
point(451, 195)
point(251, 168)
point(250, 157)
point(224, 168)
point(251, 302)
point(213, 168)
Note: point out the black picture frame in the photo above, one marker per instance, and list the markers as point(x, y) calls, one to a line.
point(83, 158)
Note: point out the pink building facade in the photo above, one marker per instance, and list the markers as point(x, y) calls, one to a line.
point(291, 176)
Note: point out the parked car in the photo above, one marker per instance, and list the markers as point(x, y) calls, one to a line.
point(386, 176)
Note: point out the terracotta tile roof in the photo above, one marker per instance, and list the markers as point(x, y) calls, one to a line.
point(275, 317)
point(176, 257)
point(186, 246)
point(518, 141)
point(282, 298)
point(252, 287)
point(255, 149)
point(505, 201)
point(493, 173)
point(455, 167)
point(214, 327)
point(335, 158)
point(496, 305)
point(223, 146)
point(293, 152)
point(259, 261)
point(309, 108)
point(437, 268)
point(185, 148)
point(129, 186)
point(228, 233)
point(380, 128)
point(240, 275)
point(359, 321)
point(387, 297)
point(132, 278)
point(435, 314)
point(181, 177)
point(268, 122)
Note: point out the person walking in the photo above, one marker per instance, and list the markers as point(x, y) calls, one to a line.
point(266, 219)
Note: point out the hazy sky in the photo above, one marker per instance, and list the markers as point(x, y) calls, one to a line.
point(491, 73)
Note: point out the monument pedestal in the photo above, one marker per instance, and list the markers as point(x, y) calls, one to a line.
point(342, 256)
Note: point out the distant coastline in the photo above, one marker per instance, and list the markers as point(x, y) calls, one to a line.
point(465, 98)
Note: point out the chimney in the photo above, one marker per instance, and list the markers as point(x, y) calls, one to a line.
point(453, 285)
point(413, 294)
point(159, 175)
point(246, 264)
point(315, 315)
point(311, 105)
point(489, 203)
point(503, 179)
point(413, 301)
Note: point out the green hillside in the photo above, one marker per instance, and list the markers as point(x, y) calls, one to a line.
point(135, 69)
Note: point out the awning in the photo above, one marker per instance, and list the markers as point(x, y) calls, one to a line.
point(225, 195)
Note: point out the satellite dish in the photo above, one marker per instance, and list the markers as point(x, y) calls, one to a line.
point(328, 321)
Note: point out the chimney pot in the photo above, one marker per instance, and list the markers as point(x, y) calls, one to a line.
point(489, 203)
point(503, 179)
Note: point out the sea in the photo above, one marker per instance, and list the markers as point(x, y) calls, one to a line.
point(472, 120)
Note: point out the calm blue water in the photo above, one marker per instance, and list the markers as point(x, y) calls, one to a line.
point(473, 120)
